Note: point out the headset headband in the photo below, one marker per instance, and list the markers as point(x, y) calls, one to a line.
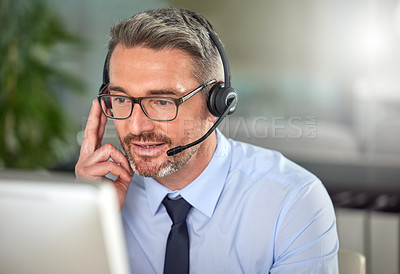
point(224, 58)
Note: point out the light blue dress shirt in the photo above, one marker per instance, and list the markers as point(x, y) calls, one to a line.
point(254, 211)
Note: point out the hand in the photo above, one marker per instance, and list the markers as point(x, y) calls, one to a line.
point(93, 163)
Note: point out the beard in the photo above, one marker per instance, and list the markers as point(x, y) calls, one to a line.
point(147, 166)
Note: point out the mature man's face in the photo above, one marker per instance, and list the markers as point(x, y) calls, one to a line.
point(141, 72)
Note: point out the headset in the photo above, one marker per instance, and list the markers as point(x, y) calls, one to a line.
point(222, 98)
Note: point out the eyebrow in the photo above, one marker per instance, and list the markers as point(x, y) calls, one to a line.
point(162, 92)
point(117, 88)
point(150, 92)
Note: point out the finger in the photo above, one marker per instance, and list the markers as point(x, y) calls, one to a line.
point(91, 140)
point(100, 170)
point(103, 122)
point(106, 152)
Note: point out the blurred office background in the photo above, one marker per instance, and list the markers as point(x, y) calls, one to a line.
point(319, 80)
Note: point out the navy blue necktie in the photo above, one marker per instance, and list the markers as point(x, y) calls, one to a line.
point(177, 252)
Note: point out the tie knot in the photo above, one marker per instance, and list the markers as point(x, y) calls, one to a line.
point(177, 209)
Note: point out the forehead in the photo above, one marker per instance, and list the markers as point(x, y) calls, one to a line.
point(146, 69)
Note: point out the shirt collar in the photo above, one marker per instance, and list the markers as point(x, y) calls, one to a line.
point(203, 193)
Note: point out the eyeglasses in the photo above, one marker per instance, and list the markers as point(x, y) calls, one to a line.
point(120, 107)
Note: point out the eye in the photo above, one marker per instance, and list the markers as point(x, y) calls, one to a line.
point(119, 100)
point(164, 102)
point(161, 103)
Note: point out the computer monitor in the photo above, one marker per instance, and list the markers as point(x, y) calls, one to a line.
point(52, 224)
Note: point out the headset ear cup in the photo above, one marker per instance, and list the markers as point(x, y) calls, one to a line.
point(227, 97)
point(212, 100)
point(223, 99)
point(219, 99)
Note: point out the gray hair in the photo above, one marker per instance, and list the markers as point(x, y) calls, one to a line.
point(172, 28)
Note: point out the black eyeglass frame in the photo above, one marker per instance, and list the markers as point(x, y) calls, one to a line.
point(138, 100)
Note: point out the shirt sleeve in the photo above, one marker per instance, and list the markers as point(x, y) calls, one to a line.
point(306, 239)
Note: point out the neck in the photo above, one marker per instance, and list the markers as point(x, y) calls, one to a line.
point(193, 168)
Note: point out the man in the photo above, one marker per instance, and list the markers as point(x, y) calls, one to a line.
point(250, 210)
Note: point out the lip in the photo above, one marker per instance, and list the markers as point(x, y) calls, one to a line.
point(149, 149)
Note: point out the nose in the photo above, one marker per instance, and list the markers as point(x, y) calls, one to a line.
point(139, 122)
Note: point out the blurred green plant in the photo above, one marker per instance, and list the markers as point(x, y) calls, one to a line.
point(34, 131)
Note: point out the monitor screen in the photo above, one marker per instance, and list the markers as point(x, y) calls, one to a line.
point(51, 224)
